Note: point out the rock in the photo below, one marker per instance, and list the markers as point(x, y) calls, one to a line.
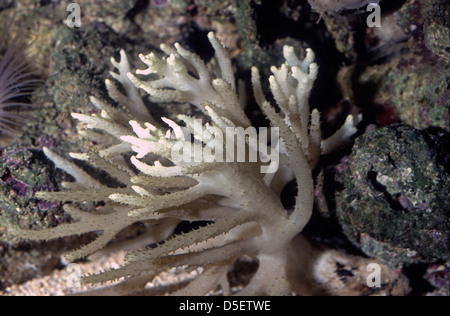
point(413, 79)
point(395, 204)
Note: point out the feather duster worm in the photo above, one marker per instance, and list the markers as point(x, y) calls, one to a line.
point(17, 82)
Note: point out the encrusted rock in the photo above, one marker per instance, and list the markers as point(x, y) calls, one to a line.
point(396, 202)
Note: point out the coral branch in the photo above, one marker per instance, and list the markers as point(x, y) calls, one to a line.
point(238, 205)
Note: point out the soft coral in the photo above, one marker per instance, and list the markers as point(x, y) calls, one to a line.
point(241, 204)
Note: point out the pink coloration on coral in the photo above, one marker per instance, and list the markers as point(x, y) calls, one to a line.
point(45, 141)
point(45, 205)
point(21, 188)
point(343, 165)
point(159, 3)
point(18, 187)
point(42, 204)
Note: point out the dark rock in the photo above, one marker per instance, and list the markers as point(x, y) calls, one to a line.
point(396, 202)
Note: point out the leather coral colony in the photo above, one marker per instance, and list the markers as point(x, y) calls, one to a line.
point(241, 204)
